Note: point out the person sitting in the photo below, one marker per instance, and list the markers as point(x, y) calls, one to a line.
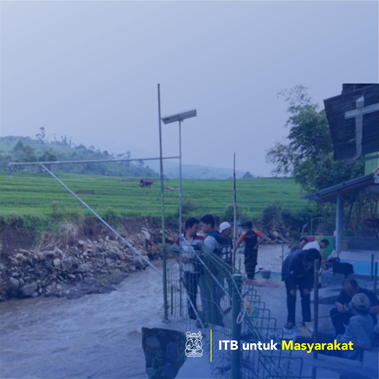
point(341, 314)
point(359, 331)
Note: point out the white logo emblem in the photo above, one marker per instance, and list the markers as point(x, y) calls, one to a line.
point(194, 348)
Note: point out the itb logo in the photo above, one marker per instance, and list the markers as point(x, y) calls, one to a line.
point(194, 348)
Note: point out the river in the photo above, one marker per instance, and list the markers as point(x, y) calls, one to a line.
point(96, 336)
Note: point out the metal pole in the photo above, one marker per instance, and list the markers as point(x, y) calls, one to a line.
point(372, 267)
point(376, 279)
point(339, 219)
point(234, 212)
point(164, 260)
point(180, 218)
point(180, 177)
point(87, 161)
point(236, 327)
point(315, 303)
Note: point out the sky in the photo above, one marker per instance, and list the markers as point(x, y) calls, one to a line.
point(89, 71)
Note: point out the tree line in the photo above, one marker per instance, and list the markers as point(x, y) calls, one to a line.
point(41, 149)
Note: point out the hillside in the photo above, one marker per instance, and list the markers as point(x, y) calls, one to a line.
point(26, 149)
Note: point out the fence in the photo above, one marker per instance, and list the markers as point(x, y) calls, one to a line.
point(231, 306)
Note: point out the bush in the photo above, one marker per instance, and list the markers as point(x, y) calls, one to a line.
point(58, 210)
point(229, 212)
point(188, 206)
point(111, 216)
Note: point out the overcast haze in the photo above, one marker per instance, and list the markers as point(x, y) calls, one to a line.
point(89, 70)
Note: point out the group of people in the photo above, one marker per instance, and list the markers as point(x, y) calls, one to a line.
point(354, 314)
point(202, 272)
point(356, 309)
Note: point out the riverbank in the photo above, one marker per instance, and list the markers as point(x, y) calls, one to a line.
point(85, 259)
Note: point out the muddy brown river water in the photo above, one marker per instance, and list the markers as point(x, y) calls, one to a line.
point(96, 336)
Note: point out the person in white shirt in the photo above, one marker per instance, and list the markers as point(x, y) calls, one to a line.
point(189, 245)
point(316, 245)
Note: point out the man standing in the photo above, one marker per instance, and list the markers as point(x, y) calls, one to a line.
point(188, 244)
point(297, 273)
point(341, 314)
point(225, 230)
point(252, 240)
point(211, 279)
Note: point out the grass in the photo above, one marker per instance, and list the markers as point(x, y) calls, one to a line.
point(39, 194)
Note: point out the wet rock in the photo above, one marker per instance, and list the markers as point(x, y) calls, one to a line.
point(49, 254)
point(14, 282)
point(57, 250)
point(41, 256)
point(28, 289)
point(145, 233)
point(23, 251)
point(84, 267)
point(20, 256)
point(138, 263)
point(67, 264)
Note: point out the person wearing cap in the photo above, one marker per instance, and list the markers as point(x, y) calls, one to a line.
point(252, 239)
point(359, 331)
point(341, 314)
point(226, 243)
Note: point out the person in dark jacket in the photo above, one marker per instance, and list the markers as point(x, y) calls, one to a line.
point(297, 273)
point(341, 314)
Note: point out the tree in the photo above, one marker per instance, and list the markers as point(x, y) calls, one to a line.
point(247, 175)
point(24, 153)
point(41, 136)
point(308, 154)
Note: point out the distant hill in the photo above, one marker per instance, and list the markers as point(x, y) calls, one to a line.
point(171, 171)
point(27, 149)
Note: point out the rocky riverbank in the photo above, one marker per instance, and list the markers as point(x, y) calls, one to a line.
point(87, 265)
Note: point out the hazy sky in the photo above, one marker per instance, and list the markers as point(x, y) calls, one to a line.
point(89, 70)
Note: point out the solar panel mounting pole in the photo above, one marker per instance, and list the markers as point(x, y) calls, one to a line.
point(164, 261)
